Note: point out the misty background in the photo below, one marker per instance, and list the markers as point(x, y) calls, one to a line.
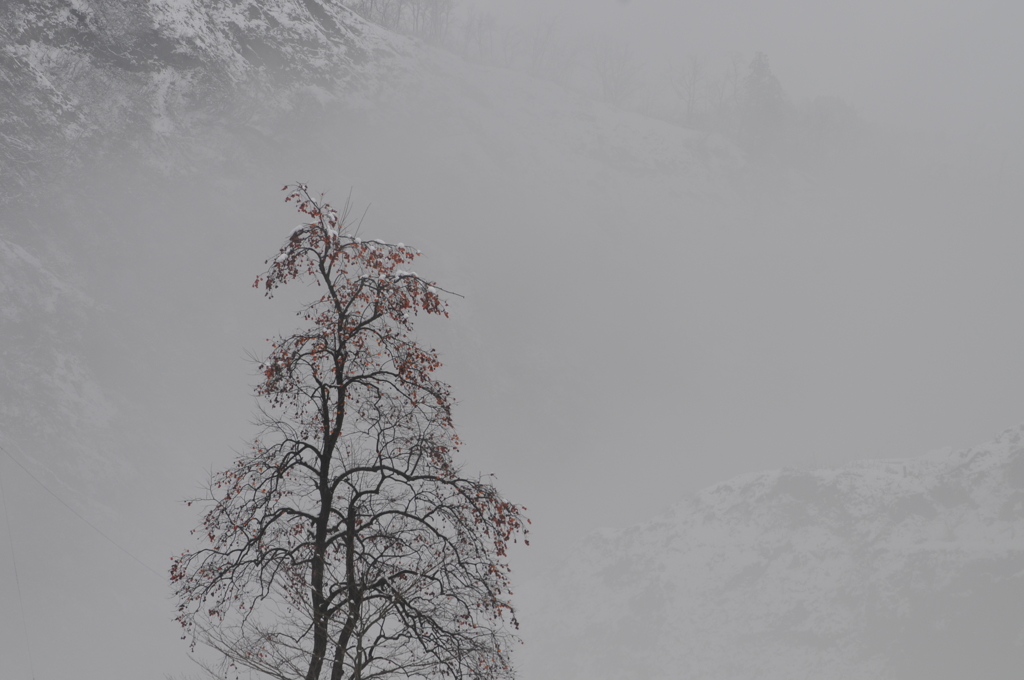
point(695, 240)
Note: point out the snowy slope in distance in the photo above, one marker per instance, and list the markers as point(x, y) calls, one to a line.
point(906, 569)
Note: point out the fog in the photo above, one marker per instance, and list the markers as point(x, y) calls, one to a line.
point(924, 67)
point(648, 306)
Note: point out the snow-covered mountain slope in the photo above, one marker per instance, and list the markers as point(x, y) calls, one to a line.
point(908, 569)
point(94, 87)
point(85, 77)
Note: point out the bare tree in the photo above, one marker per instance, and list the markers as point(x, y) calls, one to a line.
point(542, 39)
point(431, 19)
point(387, 13)
point(552, 55)
point(689, 82)
point(478, 36)
point(346, 543)
point(617, 71)
point(510, 43)
point(765, 113)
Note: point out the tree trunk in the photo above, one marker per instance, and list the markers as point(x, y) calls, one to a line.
point(316, 663)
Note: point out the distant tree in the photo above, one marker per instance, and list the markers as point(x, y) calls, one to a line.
point(510, 42)
point(552, 55)
point(765, 111)
point(346, 542)
point(486, 40)
point(431, 20)
point(387, 13)
point(689, 84)
point(617, 71)
point(478, 32)
point(722, 95)
point(542, 39)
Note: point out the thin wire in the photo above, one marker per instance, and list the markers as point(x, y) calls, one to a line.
point(94, 528)
point(21, 602)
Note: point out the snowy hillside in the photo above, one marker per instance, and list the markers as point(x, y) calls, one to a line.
point(907, 568)
point(87, 77)
point(93, 86)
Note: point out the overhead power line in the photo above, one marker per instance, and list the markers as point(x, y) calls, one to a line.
point(17, 579)
point(75, 513)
